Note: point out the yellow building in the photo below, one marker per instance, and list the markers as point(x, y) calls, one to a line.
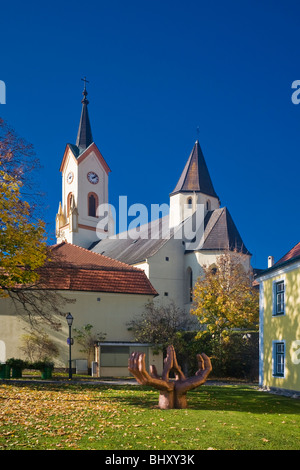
point(280, 324)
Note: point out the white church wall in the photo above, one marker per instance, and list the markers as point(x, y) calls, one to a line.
point(107, 313)
point(166, 272)
point(90, 163)
point(183, 205)
point(144, 266)
point(71, 167)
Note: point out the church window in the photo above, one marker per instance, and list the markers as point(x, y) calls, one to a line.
point(213, 269)
point(166, 294)
point(190, 202)
point(167, 258)
point(208, 205)
point(92, 204)
point(69, 198)
point(189, 281)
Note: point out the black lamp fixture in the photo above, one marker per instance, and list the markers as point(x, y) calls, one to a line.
point(69, 319)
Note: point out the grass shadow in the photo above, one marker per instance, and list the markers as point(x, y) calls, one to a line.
point(208, 397)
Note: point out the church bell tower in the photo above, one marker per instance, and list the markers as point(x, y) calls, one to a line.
point(83, 215)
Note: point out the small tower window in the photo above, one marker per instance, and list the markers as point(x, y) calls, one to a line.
point(69, 198)
point(208, 205)
point(190, 202)
point(92, 205)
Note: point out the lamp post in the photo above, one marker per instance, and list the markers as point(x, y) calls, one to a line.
point(69, 319)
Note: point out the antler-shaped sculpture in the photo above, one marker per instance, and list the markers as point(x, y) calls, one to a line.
point(172, 393)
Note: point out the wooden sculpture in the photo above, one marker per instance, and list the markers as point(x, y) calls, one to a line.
point(172, 392)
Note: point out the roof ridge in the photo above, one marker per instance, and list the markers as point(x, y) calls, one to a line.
point(84, 267)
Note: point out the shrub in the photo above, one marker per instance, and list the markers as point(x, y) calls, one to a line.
point(41, 365)
point(17, 363)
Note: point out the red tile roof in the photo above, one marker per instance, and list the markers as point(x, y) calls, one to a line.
point(293, 253)
point(73, 255)
point(77, 269)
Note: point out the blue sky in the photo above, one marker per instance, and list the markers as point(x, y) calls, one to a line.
point(157, 71)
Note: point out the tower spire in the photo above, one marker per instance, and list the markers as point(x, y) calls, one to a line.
point(195, 176)
point(84, 136)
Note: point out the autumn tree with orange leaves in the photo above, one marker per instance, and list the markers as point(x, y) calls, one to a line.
point(23, 248)
point(225, 298)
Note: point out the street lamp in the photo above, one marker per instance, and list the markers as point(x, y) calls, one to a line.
point(69, 319)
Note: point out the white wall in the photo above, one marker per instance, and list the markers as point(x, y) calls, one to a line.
point(180, 210)
point(166, 276)
point(108, 315)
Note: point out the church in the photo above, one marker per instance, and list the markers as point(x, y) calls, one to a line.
point(109, 276)
point(162, 248)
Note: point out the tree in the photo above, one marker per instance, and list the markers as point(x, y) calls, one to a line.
point(159, 324)
point(87, 339)
point(38, 346)
point(224, 297)
point(19, 160)
point(23, 247)
point(22, 242)
point(225, 301)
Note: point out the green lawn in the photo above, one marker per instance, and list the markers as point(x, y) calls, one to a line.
point(84, 416)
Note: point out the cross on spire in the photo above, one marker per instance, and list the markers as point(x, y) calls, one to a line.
point(84, 91)
point(85, 82)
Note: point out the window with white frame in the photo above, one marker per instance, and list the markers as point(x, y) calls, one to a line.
point(279, 300)
point(278, 358)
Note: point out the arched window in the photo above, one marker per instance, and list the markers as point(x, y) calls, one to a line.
point(208, 205)
point(190, 202)
point(189, 284)
point(92, 204)
point(69, 198)
point(2, 351)
point(213, 268)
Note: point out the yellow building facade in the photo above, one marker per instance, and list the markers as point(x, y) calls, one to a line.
point(280, 324)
